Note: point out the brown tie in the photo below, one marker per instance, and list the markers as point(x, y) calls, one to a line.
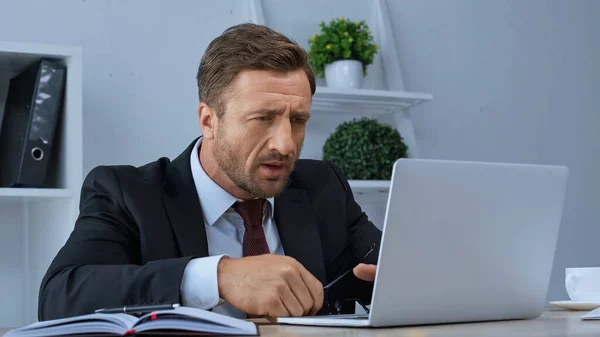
point(255, 242)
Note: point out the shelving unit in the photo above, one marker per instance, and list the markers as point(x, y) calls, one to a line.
point(35, 193)
point(361, 101)
point(356, 102)
point(370, 186)
point(35, 222)
point(383, 95)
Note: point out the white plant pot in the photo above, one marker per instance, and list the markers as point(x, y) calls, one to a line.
point(344, 74)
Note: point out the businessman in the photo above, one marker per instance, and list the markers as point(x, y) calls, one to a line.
point(237, 223)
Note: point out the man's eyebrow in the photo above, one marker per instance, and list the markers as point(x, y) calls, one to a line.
point(273, 112)
point(301, 114)
point(266, 111)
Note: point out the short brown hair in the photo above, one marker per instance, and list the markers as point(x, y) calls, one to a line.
point(246, 47)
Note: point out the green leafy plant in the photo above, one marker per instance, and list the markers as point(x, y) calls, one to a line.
point(341, 39)
point(365, 149)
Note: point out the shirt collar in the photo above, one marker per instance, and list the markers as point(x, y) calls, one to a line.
point(214, 200)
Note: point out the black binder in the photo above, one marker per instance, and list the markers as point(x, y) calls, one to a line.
point(33, 106)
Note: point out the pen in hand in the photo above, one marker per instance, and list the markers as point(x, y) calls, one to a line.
point(129, 309)
point(371, 248)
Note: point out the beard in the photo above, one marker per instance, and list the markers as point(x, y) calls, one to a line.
point(232, 163)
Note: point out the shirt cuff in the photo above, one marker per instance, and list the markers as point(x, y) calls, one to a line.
point(199, 285)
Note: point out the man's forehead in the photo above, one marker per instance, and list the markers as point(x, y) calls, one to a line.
point(251, 81)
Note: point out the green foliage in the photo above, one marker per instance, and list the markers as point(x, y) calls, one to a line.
point(365, 149)
point(341, 40)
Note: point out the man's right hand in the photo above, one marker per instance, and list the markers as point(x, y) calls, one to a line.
point(269, 285)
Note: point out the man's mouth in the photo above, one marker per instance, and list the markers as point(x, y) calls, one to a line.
point(275, 164)
point(274, 168)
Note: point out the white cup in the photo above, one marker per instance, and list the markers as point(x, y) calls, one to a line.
point(583, 284)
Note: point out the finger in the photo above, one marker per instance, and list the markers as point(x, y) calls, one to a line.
point(315, 287)
point(291, 303)
point(365, 272)
point(300, 290)
point(277, 309)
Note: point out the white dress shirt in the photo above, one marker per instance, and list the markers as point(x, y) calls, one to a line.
point(225, 234)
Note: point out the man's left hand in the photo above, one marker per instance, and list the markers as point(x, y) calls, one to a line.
point(365, 272)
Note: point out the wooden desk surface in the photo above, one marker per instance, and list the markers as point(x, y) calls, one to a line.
point(553, 323)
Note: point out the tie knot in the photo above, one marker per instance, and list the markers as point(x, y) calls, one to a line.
point(251, 211)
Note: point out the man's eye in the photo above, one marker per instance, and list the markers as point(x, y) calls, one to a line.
point(300, 120)
point(264, 118)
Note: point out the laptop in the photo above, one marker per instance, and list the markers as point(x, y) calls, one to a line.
point(462, 242)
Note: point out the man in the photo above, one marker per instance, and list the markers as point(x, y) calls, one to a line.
point(236, 224)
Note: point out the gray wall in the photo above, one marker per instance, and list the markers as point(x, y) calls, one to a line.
point(513, 81)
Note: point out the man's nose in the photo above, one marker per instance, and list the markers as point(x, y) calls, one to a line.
point(282, 139)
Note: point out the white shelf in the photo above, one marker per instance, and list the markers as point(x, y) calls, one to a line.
point(15, 56)
point(365, 101)
point(36, 222)
point(369, 186)
point(6, 193)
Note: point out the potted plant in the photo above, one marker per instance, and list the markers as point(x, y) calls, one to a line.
point(365, 149)
point(342, 52)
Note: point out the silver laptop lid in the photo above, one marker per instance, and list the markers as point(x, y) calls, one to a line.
point(467, 241)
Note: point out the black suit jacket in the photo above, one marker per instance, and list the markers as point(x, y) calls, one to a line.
point(139, 226)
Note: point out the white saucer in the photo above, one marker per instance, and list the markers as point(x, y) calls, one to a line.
point(579, 306)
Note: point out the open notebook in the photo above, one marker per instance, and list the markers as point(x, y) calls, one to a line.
point(179, 320)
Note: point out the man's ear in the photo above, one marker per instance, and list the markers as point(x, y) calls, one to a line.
point(208, 120)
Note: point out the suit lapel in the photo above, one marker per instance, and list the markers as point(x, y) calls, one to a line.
point(183, 206)
point(298, 231)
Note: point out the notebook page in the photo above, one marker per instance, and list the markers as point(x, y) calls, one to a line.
point(122, 320)
point(209, 318)
point(93, 327)
point(91, 323)
point(197, 325)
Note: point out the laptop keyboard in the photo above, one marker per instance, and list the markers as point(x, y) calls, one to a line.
point(345, 316)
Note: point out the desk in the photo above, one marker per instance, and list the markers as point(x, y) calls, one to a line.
point(553, 323)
